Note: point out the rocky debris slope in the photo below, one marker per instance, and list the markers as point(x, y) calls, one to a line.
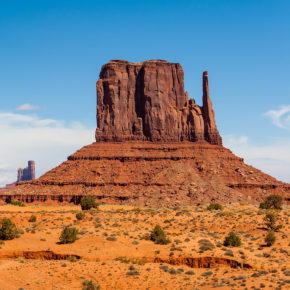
point(147, 101)
point(151, 174)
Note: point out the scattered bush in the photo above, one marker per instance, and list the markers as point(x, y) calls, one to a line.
point(68, 235)
point(8, 230)
point(158, 236)
point(80, 216)
point(215, 206)
point(205, 245)
point(89, 202)
point(273, 201)
point(90, 285)
point(232, 240)
point(32, 219)
point(271, 220)
point(270, 238)
point(17, 203)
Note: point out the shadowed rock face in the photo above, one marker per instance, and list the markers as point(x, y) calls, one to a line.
point(146, 101)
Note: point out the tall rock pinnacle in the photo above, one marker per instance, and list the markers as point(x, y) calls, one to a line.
point(210, 130)
point(146, 101)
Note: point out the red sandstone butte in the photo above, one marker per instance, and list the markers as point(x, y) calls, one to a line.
point(146, 101)
point(154, 147)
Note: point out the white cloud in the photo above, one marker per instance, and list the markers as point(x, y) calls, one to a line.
point(47, 141)
point(273, 159)
point(281, 117)
point(27, 107)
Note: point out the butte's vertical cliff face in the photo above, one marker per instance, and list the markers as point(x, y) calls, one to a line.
point(147, 101)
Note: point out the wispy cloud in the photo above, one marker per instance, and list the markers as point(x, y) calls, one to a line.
point(281, 117)
point(29, 137)
point(273, 159)
point(27, 107)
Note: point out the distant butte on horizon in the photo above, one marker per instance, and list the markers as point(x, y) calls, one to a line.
point(154, 147)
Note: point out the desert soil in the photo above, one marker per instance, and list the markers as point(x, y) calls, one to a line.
point(112, 252)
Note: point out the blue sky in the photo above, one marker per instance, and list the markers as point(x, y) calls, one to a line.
point(51, 53)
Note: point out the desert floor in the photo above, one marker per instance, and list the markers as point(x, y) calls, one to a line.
point(112, 252)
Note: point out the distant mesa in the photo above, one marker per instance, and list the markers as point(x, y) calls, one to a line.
point(27, 173)
point(154, 147)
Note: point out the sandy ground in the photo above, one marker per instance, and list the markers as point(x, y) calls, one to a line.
point(114, 255)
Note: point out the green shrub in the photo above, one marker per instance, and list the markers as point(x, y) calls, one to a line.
point(90, 285)
point(158, 236)
point(32, 219)
point(271, 221)
point(8, 230)
point(89, 202)
point(68, 235)
point(270, 238)
point(80, 216)
point(232, 240)
point(17, 203)
point(273, 201)
point(215, 206)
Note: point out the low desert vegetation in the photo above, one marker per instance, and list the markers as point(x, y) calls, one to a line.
point(158, 236)
point(80, 216)
point(215, 206)
point(8, 230)
point(271, 219)
point(90, 285)
point(89, 202)
point(68, 235)
point(17, 203)
point(232, 240)
point(32, 219)
point(270, 238)
point(273, 201)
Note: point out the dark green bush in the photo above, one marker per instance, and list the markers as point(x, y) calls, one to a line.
point(158, 236)
point(232, 240)
point(17, 203)
point(89, 202)
point(90, 285)
point(270, 238)
point(32, 219)
point(68, 235)
point(215, 206)
point(8, 230)
point(271, 221)
point(80, 216)
point(273, 201)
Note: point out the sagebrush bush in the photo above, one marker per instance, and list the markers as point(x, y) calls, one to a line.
point(232, 240)
point(270, 238)
point(32, 219)
point(68, 235)
point(272, 201)
point(17, 203)
point(89, 202)
point(158, 236)
point(215, 206)
point(8, 230)
point(90, 285)
point(271, 221)
point(80, 216)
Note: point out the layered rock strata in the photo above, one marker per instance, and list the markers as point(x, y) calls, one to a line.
point(146, 101)
point(151, 174)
